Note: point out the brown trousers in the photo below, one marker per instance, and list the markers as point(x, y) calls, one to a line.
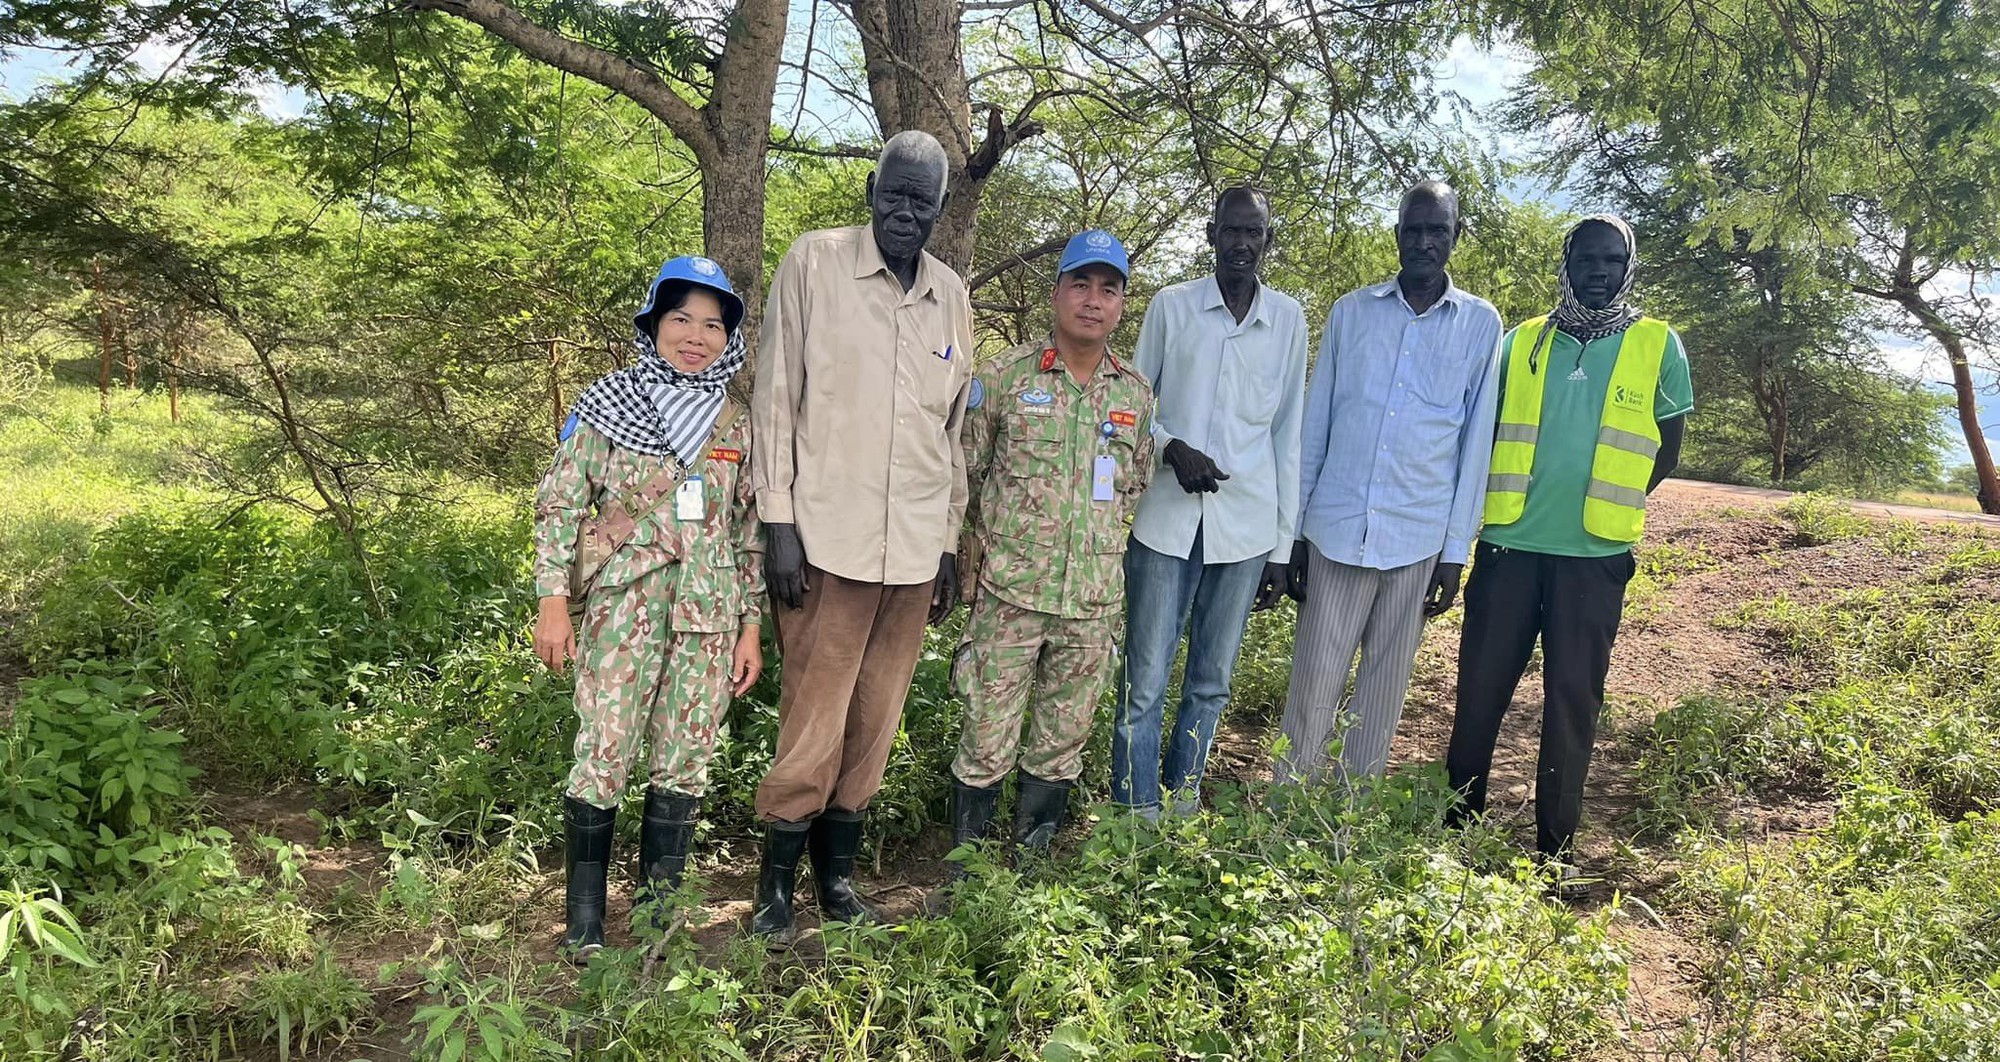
point(848, 652)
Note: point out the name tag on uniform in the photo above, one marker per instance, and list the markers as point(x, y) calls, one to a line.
point(687, 501)
point(724, 453)
point(1104, 473)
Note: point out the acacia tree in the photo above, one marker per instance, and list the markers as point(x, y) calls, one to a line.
point(1248, 83)
point(1866, 135)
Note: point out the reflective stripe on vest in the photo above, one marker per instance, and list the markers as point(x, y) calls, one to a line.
point(1628, 439)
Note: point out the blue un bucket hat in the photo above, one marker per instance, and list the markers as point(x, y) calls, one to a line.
point(698, 271)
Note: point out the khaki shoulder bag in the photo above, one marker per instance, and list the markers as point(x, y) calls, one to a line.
point(600, 538)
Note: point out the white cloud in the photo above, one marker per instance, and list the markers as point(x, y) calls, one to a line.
point(278, 101)
point(1483, 75)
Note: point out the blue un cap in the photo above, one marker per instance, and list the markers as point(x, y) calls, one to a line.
point(701, 272)
point(1094, 246)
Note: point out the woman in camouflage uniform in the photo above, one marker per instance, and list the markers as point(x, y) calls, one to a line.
point(670, 627)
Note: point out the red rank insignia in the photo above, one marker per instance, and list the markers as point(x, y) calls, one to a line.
point(1048, 359)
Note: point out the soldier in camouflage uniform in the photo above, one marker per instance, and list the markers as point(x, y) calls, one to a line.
point(671, 624)
point(1059, 448)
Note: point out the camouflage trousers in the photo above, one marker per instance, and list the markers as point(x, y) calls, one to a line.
point(639, 680)
point(1012, 655)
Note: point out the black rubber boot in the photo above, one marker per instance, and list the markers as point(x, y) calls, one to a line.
point(971, 820)
point(972, 811)
point(664, 838)
point(777, 879)
point(586, 857)
point(1039, 806)
point(836, 836)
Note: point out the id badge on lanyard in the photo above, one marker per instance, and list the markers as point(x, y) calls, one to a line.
point(688, 506)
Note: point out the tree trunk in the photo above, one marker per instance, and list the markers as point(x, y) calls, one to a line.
point(555, 384)
point(103, 342)
point(916, 80)
point(1967, 395)
point(1905, 289)
point(174, 374)
point(729, 134)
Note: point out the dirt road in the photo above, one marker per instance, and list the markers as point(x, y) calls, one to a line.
point(1694, 490)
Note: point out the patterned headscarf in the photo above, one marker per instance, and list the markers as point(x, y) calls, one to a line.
point(1583, 322)
point(654, 408)
point(1580, 321)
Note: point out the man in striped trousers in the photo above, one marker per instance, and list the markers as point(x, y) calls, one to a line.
point(1398, 431)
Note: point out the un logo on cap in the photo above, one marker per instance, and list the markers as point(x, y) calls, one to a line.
point(704, 267)
point(1097, 241)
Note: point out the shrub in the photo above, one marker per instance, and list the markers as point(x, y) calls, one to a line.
point(1325, 929)
point(93, 784)
point(1818, 520)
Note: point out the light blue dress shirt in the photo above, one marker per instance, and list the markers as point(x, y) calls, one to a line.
point(1399, 428)
point(1236, 392)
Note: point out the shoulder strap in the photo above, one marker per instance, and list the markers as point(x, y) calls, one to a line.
point(619, 518)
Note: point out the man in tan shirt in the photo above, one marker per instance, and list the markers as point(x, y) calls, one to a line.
point(862, 378)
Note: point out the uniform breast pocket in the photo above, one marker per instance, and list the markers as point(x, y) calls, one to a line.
point(1034, 447)
point(1037, 482)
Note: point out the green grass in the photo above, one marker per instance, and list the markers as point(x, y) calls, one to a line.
point(1874, 937)
point(1320, 926)
point(1964, 503)
point(70, 470)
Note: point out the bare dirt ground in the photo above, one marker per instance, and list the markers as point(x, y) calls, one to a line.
point(1709, 552)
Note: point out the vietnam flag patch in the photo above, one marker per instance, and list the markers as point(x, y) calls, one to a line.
point(723, 453)
point(1124, 418)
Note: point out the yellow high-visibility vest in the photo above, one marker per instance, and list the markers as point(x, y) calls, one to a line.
point(1628, 438)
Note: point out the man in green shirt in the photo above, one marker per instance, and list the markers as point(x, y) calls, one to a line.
point(1592, 405)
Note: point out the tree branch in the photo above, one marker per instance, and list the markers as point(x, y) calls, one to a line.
point(1041, 250)
point(615, 72)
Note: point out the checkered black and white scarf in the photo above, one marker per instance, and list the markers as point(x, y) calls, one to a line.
point(654, 408)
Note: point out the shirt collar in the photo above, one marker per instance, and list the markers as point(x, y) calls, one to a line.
point(1052, 361)
point(868, 262)
point(1453, 294)
point(1260, 307)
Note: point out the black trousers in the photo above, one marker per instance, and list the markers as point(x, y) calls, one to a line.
point(1572, 604)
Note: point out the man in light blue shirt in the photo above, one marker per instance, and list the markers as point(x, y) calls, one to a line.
point(1227, 360)
point(1398, 432)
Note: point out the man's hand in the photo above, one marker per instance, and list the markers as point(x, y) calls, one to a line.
point(555, 635)
point(1298, 571)
point(1197, 474)
point(785, 564)
point(1277, 584)
point(1443, 590)
point(944, 593)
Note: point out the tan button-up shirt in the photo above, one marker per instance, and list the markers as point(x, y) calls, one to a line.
point(859, 401)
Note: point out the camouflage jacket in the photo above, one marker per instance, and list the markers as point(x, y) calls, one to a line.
point(1033, 439)
point(720, 582)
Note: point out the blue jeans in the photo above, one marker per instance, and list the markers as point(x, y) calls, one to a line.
point(1160, 593)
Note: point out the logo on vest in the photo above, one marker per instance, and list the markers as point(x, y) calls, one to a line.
point(1629, 398)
